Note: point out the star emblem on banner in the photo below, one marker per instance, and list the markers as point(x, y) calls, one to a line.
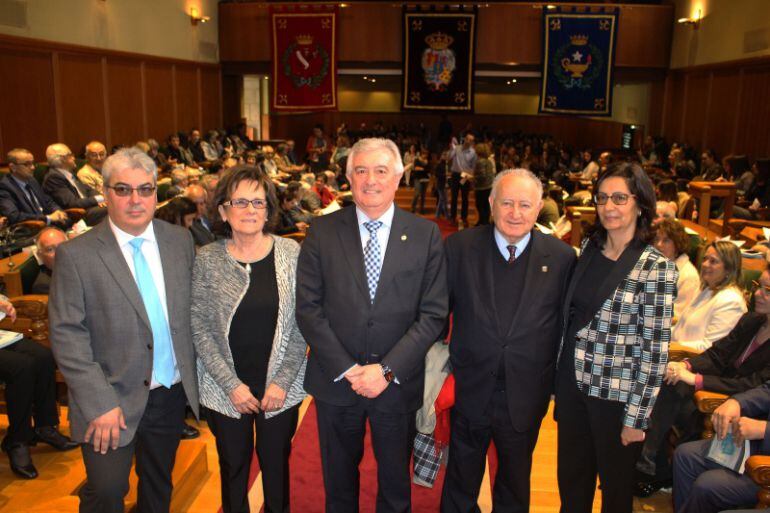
point(462, 26)
point(326, 98)
point(555, 24)
point(415, 97)
point(577, 56)
point(417, 25)
point(282, 23)
point(604, 24)
point(551, 101)
point(283, 99)
point(459, 97)
point(599, 103)
point(326, 23)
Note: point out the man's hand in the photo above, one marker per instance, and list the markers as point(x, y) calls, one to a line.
point(273, 398)
point(243, 400)
point(302, 226)
point(7, 307)
point(631, 435)
point(58, 216)
point(748, 429)
point(353, 374)
point(728, 413)
point(370, 382)
point(105, 430)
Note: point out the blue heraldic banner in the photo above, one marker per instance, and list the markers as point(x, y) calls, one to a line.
point(438, 60)
point(579, 54)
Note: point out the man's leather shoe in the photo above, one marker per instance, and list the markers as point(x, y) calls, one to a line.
point(52, 436)
point(189, 432)
point(21, 461)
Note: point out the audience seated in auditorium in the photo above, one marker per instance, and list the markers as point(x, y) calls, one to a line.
point(710, 169)
point(155, 154)
point(202, 224)
point(66, 189)
point(212, 146)
point(179, 180)
point(288, 223)
point(668, 200)
point(323, 191)
point(22, 198)
point(720, 303)
point(180, 211)
point(194, 144)
point(176, 153)
point(673, 242)
point(91, 173)
point(46, 243)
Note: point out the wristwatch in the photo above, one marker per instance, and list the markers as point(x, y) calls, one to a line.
point(387, 373)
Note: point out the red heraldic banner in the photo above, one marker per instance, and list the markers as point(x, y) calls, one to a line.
point(304, 57)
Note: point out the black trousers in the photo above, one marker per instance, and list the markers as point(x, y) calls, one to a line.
point(467, 460)
point(154, 445)
point(589, 444)
point(28, 370)
point(341, 431)
point(482, 205)
point(463, 189)
point(235, 445)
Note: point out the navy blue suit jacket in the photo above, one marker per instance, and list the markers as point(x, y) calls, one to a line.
point(15, 205)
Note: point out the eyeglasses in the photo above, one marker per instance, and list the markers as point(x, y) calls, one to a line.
point(758, 286)
point(258, 203)
point(123, 190)
point(618, 198)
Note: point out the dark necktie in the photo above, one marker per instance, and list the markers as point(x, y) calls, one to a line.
point(511, 253)
point(33, 198)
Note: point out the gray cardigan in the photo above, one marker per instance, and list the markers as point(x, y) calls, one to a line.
point(219, 284)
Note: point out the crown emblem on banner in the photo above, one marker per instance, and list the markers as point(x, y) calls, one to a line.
point(579, 39)
point(439, 41)
point(304, 39)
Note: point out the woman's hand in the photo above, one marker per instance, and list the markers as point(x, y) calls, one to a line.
point(631, 435)
point(274, 398)
point(7, 307)
point(674, 372)
point(243, 400)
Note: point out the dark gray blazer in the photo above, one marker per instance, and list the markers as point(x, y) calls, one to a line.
point(100, 334)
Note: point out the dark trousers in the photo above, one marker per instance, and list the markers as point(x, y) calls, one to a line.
point(702, 486)
point(28, 370)
point(589, 444)
point(154, 444)
point(674, 406)
point(467, 458)
point(463, 189)
point(441, 210)
point(235, 445)
point(420, 188)
point(341, 431)
point(482, 205)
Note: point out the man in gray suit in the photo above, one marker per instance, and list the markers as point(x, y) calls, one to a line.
point(120, 331)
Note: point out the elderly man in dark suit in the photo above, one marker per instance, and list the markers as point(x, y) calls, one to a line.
point(120, 331)
point(505, 283)
point(371, 299)
point(66, 189)
point(22, 198)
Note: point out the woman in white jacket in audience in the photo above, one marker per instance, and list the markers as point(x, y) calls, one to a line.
point(716, 309)
point(673, 242)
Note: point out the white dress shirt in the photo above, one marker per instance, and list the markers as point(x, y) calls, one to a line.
point(709, 318)
point(503, 244)
point(151, 254)
point(382, 234)
point(687, 286)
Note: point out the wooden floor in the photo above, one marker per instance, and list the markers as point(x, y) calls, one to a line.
point(62, 473)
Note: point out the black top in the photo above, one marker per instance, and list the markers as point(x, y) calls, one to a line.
point(253, 325)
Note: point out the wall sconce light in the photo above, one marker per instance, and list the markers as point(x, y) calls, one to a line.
point(694, 22)
point(196, 17)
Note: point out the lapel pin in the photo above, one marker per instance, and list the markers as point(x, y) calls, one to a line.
point(403, 237)
point(544, 269)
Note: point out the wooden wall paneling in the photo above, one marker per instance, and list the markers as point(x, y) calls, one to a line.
point(27, 107)
point(644, 36)
point(159, 94)
point(369, 32)
point(657, 104)
point(695, 104)
point(674, 106)
point(496, 24)
point(106, 101)
point(723, 111)
point(126, 107)
point(754, 113)
point(82, 100)
point(232, 90)
point(187, 98)
point(211, 98)
point(244, 32)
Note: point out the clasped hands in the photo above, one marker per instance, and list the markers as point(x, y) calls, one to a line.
point(367, 380)
point(728, 418)
point(678, 371)
point(244, 401)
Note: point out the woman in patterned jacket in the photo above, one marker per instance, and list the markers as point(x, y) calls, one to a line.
point(617, 326)
point(251, 355)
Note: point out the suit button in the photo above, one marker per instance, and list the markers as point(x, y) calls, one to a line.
point(146, 383)
point(370, 323)
point(149, 346)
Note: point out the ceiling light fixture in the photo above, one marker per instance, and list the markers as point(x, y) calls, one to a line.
point(196, 16)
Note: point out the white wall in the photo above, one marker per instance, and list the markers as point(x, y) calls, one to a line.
point(153, 27)
point(725, 25)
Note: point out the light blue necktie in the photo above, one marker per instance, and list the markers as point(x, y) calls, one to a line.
point(162, 357)
point(372, 257)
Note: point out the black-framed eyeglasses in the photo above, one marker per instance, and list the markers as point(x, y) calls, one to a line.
point(259, 203)
point(123, 190)
point(618, 198)
point(758, 286)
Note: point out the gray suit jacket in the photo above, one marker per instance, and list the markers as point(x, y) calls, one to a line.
point(99, 330)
